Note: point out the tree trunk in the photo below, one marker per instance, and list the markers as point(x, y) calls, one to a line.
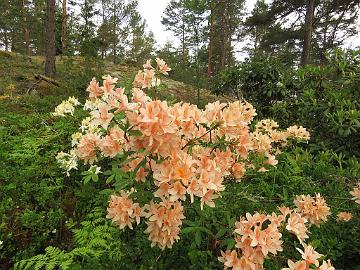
point(224, 35)
point(183, 40)
point(63, 27)
point(114, 32)
point(50, 40)
point(26, 29)
point(308, 29)
point(211, 40)
point(103, 21)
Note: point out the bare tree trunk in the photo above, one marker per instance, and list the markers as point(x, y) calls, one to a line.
point(223, 45)
point(309, 20)
point(224, 35)
point(26, 29)
point(211, 40)
point(114, 32)
point(63, 27)
point(103, 21)
point(50, 40)
point(183, 40)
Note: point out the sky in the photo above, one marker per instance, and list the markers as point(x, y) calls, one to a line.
point(152, 10)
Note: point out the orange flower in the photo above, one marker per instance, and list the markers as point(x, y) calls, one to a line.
point(298, 132)
point(109, 147)
point(326, 265)
point(344, 216)
point(356, 193)
point(238, 170)
point(86, 149)
point(164, 221)
point(229, 258)
point(310, 255)
point(102, 117)
point(300, 265)
point(108, 84)
point(296, 225)
point(313, 209)
point(123, 211)
point(163, 67)
point(252, 233)
point(94, 90)
point(177, 192)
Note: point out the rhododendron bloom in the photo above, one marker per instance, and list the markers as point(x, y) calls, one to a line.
point(296, 225)
point(102, 117)
point(326, 265)
point(123, 211)
point(356, 193)
point(66, 107)
point(67, 161)
point(108, 84)
point(238, 170)
point(86, 149)
point(344, 216)
point(266, 239)
point(310, 255)
point(148, 65)
point(298, 132)
point(299, 265)
point(165, 219)
point(94, 90)
point(315, 210)
point(163, 67)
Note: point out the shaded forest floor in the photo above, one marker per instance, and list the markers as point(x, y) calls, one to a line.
point(17, 78)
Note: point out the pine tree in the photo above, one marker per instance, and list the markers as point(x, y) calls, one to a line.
point(87, 38)
point(224, 20)
point(64, 26)
point(50, 40)
point(175, 20)
point(305, 27)
point(141, 43)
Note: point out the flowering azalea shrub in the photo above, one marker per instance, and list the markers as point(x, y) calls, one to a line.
point(259, 235)
point(161, 158)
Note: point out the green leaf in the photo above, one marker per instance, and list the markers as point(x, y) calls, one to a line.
point(110, 179)
point(123, 183)
point(87, 179)
point(221, 233)
point(196, 229)
point(136, 133)
point(230, 243)
point(198, 238)
point(95, 177)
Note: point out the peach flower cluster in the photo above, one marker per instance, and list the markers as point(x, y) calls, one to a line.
point(344, 216)
point(164, 221)
point(258, 236)
point(184, 152)
point(254, 241)
point(313, 209)
point(310, 260)
point(123, 211)
point(356, 193)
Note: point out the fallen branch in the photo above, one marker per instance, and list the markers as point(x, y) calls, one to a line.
point(46, 79)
